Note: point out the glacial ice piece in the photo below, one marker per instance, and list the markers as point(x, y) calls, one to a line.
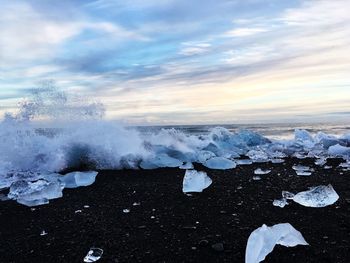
point(35, 193)
point(93, 255)
point(319, 196)
point(195, 181)
point(203, 156)
point(321, 161)
point(261, 172)
point(220, 163)
point(303, 138)
point(263, 240)
point(252, 138)
point(160, 160)
point(258, 156)
point(244, 162)
point(283, 201)
point(280, 202)
point(76, 179)
point(303, 173)
point(345, 166)
point(187, 165)
point(338, 150)
point(277, 160)
point(302, 170)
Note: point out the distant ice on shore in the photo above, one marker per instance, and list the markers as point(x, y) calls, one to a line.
point(82, 139)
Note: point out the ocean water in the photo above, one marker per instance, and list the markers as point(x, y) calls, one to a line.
point(269, 130)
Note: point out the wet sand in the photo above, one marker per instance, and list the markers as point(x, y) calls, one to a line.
point(165, 225)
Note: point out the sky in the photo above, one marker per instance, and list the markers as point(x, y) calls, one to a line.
point(183, 62)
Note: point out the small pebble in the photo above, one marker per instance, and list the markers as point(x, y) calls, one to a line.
point(219, 247)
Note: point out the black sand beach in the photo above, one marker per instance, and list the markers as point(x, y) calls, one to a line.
point(168, 226)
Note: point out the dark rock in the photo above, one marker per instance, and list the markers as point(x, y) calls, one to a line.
point(218, 247)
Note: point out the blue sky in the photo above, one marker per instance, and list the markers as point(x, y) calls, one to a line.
point(180, 61)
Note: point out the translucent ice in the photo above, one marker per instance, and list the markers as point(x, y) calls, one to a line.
point(35, 193)
point(304, 137)
point(302, 170)
point(93, 255)
point(280, 202)
point(277, 160)
point(244, 162)
point(303, 173)
point(263, 240)
point(76, 179)
point(338, 150)
point(195, 181)
point(160, 160)
point(319, 196)
point(220, 163)
point(321, 161)
point(258, 156)
point(260, 171)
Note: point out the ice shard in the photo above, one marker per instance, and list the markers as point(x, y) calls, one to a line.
point(220, 163)
point(261, 172)
point(263, 240)
point(76, 179)
point(195, 181)
point(319, 196)
point(35, 193)
point(93, 255)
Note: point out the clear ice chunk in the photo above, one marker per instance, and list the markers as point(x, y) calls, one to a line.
point(258, 156)
point(321, 161)
point(303, 173)
point(260, 171)
point(76, 179)
point(220, 163)
point(303, 136)
point(280, 202)
point(160, 160)
point(301, 168)
point(195, 181)
point(338, 150)
point(263, 240)
point(93, 255)
point(35, 193)
point(244, 162)
point(203, 156)
point(278, 160)
point(319, 196)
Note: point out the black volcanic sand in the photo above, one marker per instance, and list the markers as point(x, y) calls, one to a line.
point(169, 226)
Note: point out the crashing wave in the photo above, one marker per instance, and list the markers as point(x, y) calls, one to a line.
point(53, 132)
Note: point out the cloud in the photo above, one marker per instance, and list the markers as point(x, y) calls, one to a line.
point(200, 56)
point(245, 31)
point(190, 49)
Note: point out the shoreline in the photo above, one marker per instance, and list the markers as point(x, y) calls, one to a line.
point(166, 225)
